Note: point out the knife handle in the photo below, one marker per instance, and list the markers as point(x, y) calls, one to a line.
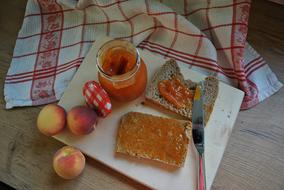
point(202, 181)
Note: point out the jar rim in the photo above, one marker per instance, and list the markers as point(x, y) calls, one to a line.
point(124, 76)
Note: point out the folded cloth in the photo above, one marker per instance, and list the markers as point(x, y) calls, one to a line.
point(208, 36)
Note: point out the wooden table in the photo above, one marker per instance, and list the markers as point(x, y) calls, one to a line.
point(254, 158)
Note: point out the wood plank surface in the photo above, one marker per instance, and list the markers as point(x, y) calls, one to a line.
point(254, 158)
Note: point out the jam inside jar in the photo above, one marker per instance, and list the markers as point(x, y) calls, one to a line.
point(122, 72)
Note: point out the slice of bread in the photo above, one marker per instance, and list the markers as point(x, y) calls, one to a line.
point(211, 89)
point(156, 138)
point(169, 70)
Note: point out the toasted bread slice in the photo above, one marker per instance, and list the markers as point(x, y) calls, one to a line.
point(156, 138)
point(169, 70)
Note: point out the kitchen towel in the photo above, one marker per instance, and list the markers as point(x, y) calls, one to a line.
point(209, 36)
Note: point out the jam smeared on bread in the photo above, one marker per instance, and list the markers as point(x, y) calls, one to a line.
point(169, 71)
point(175, 92)
point(161, 139)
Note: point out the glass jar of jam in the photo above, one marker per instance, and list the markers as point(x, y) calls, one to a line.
point(122, 72)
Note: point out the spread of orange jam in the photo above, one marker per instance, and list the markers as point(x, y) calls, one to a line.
point(160, 139)
point(175, 92)
point(119, 61)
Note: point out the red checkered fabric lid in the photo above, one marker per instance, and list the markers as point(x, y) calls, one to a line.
point(97, 98)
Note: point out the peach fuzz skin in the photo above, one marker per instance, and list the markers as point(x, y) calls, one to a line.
point(51, 119)
point(81, 120)
point(68, 162)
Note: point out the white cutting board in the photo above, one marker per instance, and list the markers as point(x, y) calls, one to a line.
point(100, 144)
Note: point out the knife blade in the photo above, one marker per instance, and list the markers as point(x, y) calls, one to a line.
point(198, 134)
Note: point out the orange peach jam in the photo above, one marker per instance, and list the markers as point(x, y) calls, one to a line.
point(118, 61)
point(122, 73)
point(175, 92)
point(159, 138)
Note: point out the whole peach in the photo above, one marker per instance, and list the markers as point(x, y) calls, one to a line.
point(51, 119)
point(68, 162)
point(81, 120)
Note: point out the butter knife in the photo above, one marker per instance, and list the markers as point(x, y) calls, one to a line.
point(198, 134)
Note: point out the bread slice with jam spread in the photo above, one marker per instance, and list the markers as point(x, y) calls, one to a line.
point(156, 138)
point(170, 71)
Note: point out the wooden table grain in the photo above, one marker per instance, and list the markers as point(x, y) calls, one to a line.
point(254, 158)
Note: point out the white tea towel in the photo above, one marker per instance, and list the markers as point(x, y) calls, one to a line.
point(208, 36)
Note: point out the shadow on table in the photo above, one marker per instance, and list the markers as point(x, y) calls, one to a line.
point(3, 186)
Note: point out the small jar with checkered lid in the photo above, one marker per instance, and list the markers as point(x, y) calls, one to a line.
point(122, 72)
